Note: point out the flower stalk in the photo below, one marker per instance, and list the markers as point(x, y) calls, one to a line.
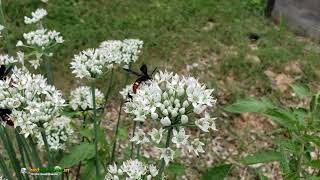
point(162, 164)
point(96, 127)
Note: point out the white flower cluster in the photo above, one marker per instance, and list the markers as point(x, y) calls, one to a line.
point(35, 16)
point(6, 59)
point(174, 101)
point(89, 63)
point(121, 52)
point(81, 98)
point(1, 29)
point(92, 62)
point(57, 131)
point(34, 104)
point(41, 38)
point(131, 170)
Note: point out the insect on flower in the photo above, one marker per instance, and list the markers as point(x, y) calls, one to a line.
point(4, 113)
point(141, 77)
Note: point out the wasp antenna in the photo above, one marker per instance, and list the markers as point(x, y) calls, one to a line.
point(154, 71)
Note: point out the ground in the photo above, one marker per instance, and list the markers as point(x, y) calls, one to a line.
point(206, 39)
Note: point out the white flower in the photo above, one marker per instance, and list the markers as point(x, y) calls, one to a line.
point(167, 154)
point(165, 121)
point(111, 177)
point(19, 43)
point(140, 137)
point(196, 147)
point(180, 138)
point(42, 38)
point(206, 123)
point(113, 169)
point(35, 63)
point(81, 98)
point(134, 169)
point(156, 135)
point(153, 170)
point(6, 59)
point(89, 64)
point(35, 16)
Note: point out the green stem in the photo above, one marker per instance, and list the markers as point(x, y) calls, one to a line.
point(119, 118)
point(80, 163)
point(93, 88)
point(169, 134)
point(115, 135)
point(4, 168)
point(49, 72)
point(11, 152)
point(133, 133)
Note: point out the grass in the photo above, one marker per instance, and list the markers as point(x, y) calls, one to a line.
point(177, 33)
point(174, 35)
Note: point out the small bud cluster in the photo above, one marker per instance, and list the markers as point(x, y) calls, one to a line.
point(131, 169)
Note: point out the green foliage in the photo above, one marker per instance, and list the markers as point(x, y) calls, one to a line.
point(301, 91)
point(176, 169)
point(81, 152)
point(300, 127)
point(217, 172)
point(256, 6)
point(249, 105)
point(261, 157)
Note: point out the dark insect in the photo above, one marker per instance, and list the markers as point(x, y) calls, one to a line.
point(253, 37)
point(4, 113)
point(142, 77)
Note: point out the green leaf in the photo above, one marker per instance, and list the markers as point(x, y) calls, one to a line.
point(217, 172)
point(314, 164)
point(249, 105)
point(176, 169)
point(89, 170)
point(86, 133)
point(314, 139)
point(261, 157)
point(301, 91)
point(283, 117)
point(78, 153)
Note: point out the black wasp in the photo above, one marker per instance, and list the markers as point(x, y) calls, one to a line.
point(142, 77)
point(4, 113)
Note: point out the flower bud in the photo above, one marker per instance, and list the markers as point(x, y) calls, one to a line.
point(165, 121)
point(165, 112)
point(172, 99)
point(171, 92)
point(184, 119)
point(185, 104)
point(180, 92)
point(165, 95)
point(176, 101)
point(166, 103)
point(174, 113)
point(162, 107)
point(182, 110)
point(154, 116)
